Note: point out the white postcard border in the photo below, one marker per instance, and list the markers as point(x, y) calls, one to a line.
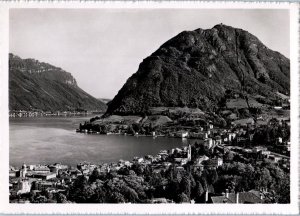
point(8, 208)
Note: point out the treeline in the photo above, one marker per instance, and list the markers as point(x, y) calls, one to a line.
point(267, 134)
point(115, 128)
point(140, 184)
point(263, 176)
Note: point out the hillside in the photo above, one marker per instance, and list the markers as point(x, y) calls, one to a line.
point(38, 85)
point(200, 69)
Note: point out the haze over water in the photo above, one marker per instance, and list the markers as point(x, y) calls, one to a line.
point(51, 140)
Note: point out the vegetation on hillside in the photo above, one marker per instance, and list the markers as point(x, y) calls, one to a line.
point(35, 85)
point(198, 68)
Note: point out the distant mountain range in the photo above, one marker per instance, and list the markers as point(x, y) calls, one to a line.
point(39, 85)
point(104, 100)
point(202, 67)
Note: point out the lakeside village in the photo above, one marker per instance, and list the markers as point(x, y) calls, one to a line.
point(41, 113)
point(229, 165)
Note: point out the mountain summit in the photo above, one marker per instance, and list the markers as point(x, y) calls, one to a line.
point(39, 85)
point(199, 68)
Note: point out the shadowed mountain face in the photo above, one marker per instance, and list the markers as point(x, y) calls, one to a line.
point(38, 85)
point(198, 68)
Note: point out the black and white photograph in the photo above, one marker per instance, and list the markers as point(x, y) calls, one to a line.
point(182, 106)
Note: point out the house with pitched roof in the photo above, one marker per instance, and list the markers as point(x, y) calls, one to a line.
point(239, 198)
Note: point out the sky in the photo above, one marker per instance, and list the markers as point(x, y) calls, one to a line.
point(102, 48)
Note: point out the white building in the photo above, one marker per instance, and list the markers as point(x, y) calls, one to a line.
point(289, 145)
point(201, 159)
point(210, 142)
point(184, 134)
point(274, 158)
point(41, 169)
point(220, 162)
point(138, 159)
point(23, 171)
point(231, 136)
point(206, 135)
point(265, 153)
point(23, 186)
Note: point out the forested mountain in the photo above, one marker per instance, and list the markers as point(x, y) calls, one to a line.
point(39, 85)
point(199, 68)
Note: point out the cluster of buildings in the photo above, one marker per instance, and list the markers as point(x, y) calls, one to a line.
point(41, 113)
point(57, 177)
point(35, 177)
point(239, 140)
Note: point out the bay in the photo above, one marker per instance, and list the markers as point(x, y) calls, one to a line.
point(47, 140)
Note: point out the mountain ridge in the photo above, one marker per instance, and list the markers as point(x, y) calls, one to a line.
point(39, 85)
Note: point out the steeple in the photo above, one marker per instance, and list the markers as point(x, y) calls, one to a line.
point(189, 154)
point(23, 171)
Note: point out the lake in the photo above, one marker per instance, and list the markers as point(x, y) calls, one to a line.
point(48, 140)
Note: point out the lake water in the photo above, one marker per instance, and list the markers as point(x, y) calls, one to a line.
point(53, 139)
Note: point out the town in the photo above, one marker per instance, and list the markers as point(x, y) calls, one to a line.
point(41, 113)
point(243, 163)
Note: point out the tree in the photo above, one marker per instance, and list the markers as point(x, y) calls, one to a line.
point(228, 156)
point(203, 150)
point(277, 175)
point(116, 197)
point(283, 191)
point(99, 195)
point(129, 194)
point(40, 199)
point(173, 189)
point(222, 122)
point(198, 192)
point(130, 130)
point(155, 180)
point(212, 176)
point(131, 172)
point(185, 186)
point(78, 191)
point(248, 177)
point(262, 178)
point(182, 198)
point(227, 182)
point(204, 183)
point(138, 168)
point(137, 127)
point(95, 175)
point(61, 198)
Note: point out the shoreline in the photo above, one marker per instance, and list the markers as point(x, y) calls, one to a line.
point(74, 164)
point(138, 135)
point(97, 163)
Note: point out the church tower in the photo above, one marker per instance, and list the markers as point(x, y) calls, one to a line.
point(23, 171)
point(189, 153)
